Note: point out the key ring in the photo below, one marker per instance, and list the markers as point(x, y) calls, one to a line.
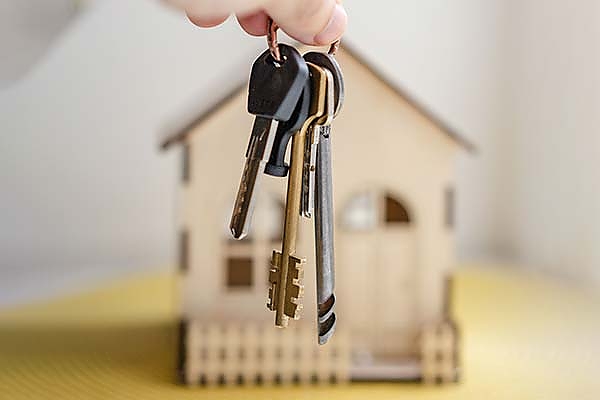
point(272, 28)
point(334, 47)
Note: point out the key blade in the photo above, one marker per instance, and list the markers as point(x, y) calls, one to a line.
point(274, 279)
point(257, 154)
point(308, 173)
point(294, 287)
point(324, 224)
point(288, 285)
point(324, 240)
point(310, 154)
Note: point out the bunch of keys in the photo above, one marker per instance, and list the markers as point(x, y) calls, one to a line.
point(295, 99)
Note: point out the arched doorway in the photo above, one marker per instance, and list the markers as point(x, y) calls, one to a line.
point(377, 273)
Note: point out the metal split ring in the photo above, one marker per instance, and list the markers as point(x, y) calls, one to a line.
point(272, 28)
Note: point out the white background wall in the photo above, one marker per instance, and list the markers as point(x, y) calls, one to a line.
point(553, 136)
point(85, 194)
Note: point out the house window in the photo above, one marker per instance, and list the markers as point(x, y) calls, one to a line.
point(361, 212)
point(185, 163)
point(369, 209)
point(449, 200)
point(395, 213)
point(184, 249)
point(239, 272)
point(247, 261)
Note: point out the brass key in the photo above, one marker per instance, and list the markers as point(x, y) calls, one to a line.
point(285, 277)
point(313, 136)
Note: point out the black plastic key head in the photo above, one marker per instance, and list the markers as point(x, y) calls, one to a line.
point(276, 165)
point(275, 87)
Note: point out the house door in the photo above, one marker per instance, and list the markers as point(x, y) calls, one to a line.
point(377, 274)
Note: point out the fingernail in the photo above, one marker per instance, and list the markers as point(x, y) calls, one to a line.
point(335, 27)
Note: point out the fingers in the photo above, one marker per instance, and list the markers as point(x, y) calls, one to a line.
point(217, 8)
point(316, 22)
point(206, 22)
point(255, 24)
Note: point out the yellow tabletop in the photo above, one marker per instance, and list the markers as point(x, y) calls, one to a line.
point(523, 338)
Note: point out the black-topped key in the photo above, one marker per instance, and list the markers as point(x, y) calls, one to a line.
point(286, 129)
point(276, 165)
point(273, 93)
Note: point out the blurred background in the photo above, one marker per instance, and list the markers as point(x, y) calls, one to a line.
point(87, 199)
point(87, 88)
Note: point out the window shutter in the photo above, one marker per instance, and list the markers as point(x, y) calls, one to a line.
point(239, 272)
point(184, 249)
point(185, 163)
point(449, 200)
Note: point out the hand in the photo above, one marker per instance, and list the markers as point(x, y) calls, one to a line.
point(314, 22)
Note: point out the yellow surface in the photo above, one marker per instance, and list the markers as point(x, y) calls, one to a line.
point(523, 338)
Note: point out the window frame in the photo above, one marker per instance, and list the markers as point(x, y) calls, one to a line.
point(249, 283)
point(449, 207)
point(186, 160)
point(257, 247)
point(183, 256)
point(397, 217)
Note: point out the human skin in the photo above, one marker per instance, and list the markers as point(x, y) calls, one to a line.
point(314, 22)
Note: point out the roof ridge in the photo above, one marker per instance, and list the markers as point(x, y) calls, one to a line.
point(180, 134)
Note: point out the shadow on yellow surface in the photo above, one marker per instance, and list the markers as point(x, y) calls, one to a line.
point(523, 338)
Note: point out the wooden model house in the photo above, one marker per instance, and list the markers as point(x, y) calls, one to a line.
point(393, 183)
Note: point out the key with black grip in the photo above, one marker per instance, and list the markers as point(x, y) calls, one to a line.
point(273, 94)
point(276, 166)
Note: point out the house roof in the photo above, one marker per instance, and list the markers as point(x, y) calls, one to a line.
point(178, 135)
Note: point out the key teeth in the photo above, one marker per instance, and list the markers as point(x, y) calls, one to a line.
point(293, 309)
point(273, 278)
point(294, 305)
point(294, 286)
point(270, 302)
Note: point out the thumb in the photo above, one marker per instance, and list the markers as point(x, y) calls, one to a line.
point(317, 22)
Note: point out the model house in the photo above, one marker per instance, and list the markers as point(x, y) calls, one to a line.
point(393, 177)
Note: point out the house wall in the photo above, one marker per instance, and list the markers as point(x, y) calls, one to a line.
point(407, 156)
point(218, 149)
point(451, 55)
point(82, 125)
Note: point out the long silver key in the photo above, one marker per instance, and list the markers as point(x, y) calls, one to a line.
point(273, 93)
point(324, 224)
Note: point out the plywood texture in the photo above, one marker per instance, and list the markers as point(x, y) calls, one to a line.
point(390, 276)
point(250, 354)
